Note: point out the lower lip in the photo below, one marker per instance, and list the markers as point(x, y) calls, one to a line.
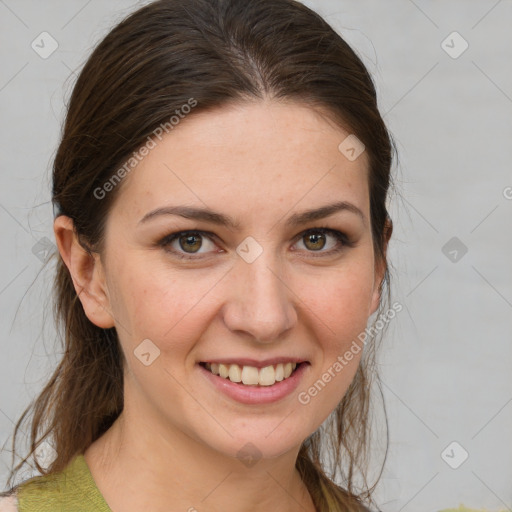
point(257, 394)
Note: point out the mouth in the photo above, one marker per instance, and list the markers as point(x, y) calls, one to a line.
point(253, 376)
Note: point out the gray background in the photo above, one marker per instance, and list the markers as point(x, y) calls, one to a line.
point(446, 360)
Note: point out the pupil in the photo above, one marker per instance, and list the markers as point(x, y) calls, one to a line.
point(315, 239)
point(189, 241)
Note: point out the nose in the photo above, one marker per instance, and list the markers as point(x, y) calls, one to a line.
point(261, 301)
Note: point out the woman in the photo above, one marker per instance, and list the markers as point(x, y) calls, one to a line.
point(220, 193)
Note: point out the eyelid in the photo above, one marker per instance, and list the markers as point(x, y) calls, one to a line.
point(340, 236)
point(171, 237)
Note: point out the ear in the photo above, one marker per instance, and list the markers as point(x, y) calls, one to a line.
point(380, 267)
point(86, 271)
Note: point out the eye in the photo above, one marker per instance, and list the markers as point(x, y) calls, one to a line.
point(316, 239)
point(186, 242)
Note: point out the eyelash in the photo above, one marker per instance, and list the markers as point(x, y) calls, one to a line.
point(338, 235)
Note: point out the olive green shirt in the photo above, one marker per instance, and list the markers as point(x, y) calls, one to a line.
point(72, 489)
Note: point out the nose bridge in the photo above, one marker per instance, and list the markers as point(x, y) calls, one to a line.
point(262, 303)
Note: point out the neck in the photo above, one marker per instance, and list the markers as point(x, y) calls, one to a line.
point(138, 468)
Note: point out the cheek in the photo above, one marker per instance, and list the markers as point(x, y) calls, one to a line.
point(340, 310)
point(163, 304)
point(342, 298)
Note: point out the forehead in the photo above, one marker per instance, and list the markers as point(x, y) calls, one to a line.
point(260, 157)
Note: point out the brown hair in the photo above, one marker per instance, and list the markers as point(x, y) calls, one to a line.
point(141, 73)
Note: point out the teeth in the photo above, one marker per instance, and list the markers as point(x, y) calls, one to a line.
point(252, 376)
point(235, 373)
point(267, 376)
point(223, 371)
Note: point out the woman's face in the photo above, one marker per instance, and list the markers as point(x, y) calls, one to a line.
point(253, 283)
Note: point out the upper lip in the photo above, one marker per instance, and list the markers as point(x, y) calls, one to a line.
point(244, 361)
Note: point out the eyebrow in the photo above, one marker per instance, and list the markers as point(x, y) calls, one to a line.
point(294, 220)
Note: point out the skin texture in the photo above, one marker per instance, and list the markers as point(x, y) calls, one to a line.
point(174, 446)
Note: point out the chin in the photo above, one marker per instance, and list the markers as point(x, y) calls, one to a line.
point(268, 439)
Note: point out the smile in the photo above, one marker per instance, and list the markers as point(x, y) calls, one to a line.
point(250, 375)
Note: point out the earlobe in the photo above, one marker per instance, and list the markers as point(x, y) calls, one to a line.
point(375, 302)
point(381, 267)
point(86, 272)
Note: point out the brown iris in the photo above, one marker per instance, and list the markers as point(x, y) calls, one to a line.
point(317, 239)
point(192, 241)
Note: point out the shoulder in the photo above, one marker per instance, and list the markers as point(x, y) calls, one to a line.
point(70, 488)
point(8, 504)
